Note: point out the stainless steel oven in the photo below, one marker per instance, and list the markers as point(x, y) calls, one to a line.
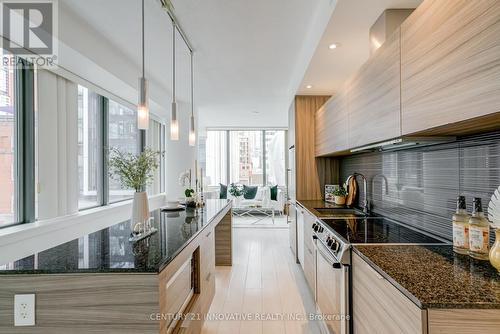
point(332, 284)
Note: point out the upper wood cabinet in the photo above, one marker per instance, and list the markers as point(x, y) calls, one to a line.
point(450, 59)
point(374, 96)
point(331, 125)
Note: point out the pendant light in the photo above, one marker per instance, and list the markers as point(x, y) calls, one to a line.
point(142, 106)
point(192, 132)
point(174, 123)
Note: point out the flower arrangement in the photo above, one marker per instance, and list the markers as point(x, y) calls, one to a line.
point(236, 190)
point(134, 171)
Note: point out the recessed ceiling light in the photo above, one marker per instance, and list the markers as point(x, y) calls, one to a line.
point(255, 112)
point(333, 46)
point(309, 86)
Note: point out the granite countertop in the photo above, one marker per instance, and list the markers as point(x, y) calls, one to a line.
point(109, 250)
point(435, 276)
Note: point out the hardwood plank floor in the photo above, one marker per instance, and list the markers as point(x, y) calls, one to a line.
point(264, 280)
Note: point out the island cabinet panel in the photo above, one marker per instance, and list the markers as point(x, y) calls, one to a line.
point(331, 125)
point(450, 60)
point(374, 96)
point(464, 321)
point(81, 303)
point(378, 307)
point(224, 241)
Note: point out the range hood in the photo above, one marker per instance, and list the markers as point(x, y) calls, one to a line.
point(403, 143)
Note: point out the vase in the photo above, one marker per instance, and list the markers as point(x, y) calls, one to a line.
point(140, 211)
point(340, 200)
point(237, 201)
point(495, 251)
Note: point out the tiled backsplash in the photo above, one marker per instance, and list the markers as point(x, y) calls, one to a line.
point(423, 183)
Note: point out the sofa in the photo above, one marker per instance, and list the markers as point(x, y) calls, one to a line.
point(262, 199)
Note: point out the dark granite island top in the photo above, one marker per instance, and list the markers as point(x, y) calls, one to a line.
point(436, 277)
point(109, 250)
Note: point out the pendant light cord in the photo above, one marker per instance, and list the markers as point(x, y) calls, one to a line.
point(192, 85)
point(143, 68)
point(173, 60)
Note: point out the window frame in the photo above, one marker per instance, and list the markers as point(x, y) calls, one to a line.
point(264, 156)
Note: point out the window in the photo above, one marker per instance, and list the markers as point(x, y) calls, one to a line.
point(216, 157)
point(246, 160)
point(123, 135)
point(89, 144)
point(7, 146)
point(275, 157)
point(155, 140)
point(252, 157)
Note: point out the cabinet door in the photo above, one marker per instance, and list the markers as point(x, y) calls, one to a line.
point(450, 58)
point(378, 307)
point(309, 252)
point(374, 96)
point(292, 229)
point(300, 235)
point(331, 125)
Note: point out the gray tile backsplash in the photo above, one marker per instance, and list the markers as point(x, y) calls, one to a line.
point(423, 183)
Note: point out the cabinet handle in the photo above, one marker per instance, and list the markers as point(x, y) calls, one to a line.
point(208, 277)
point(208, 234)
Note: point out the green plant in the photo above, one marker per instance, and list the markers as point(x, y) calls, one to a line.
point(189, 192)
point(236, 190)
point(134, 171)
point(340, 191)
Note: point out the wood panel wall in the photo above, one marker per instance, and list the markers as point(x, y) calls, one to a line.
point(306, 178)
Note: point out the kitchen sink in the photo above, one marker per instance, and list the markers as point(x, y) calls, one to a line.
point(340, 212)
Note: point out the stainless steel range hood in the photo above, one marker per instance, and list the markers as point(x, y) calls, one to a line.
point(403, 143)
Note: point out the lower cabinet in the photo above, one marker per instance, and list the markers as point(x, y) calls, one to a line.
point(378, 307)
point(309, 252)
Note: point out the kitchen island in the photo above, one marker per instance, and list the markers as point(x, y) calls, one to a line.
point(102, 283)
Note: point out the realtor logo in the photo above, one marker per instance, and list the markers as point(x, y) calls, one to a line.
point(28, 27)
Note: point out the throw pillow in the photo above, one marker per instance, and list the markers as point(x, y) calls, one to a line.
point(223, 191)
point(249, 191)
point(274, 193)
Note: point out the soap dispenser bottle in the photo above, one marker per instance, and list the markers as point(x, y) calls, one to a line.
point(461, 227)
point(479, 232)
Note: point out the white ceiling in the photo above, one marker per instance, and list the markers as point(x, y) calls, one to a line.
point(250, 56)
point(349, 26)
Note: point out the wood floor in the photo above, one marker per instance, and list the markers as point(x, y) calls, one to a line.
point(263, 280)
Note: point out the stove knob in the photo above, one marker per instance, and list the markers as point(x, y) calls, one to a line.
point(329, 242)
point(333, 245)
point(321, 229)
point(314, 226)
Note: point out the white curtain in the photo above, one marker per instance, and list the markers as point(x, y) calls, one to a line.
point(57, 145)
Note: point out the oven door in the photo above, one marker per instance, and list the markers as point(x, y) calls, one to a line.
point(332, 291)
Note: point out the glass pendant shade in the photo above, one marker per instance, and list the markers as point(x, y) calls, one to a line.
point(142, 106)
point(192, 133)
point(174, 123)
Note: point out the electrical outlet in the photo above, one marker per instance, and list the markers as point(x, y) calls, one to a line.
point(24, 310)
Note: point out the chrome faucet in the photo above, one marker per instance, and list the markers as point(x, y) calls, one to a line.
point(384, 180)
point(366, 209)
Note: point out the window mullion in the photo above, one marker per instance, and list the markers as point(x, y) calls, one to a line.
point(104, 186)
point(25, 142)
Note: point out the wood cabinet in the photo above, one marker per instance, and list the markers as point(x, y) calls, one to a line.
point(450, 60)
point(332, 126)
point(374, 96)
point(309, 252)
point(307, 183)
point(378, 307)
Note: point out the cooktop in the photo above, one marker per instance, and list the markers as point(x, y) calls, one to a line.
point(376, 230)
